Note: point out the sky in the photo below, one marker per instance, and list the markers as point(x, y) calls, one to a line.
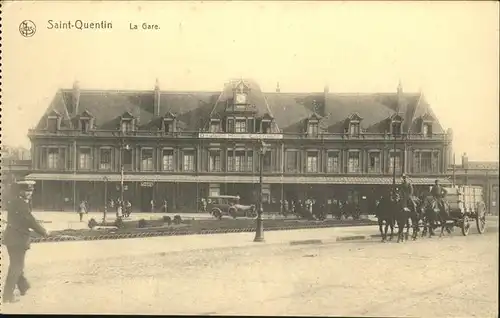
point(447, 50)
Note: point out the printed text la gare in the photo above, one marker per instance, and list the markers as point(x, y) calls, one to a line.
point(143, 26)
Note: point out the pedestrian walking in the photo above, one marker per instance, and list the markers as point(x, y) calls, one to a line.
point(165, 206)
point(82, 209)
point(16, 238)
point(152, 202)
point(119, 209)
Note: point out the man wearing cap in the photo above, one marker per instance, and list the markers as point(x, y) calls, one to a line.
point(16, 238)
point(407, 193)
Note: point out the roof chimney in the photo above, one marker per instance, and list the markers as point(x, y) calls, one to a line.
point(465, 160)
point(75, 101)
point(327, 89)
point(278, 87)
point(157, 99)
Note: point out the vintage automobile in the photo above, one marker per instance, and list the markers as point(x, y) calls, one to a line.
point(222, 205)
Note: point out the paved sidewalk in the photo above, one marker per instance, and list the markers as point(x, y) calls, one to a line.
point(80, 250)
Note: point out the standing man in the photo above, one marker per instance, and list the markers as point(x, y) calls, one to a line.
point(17, 238)
point(407, 193)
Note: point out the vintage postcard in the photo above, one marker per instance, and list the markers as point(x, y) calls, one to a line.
point(274, 158)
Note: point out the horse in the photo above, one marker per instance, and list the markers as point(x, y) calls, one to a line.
point(434, 217)
point(384, 212)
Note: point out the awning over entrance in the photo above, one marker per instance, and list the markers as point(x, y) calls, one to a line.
point(232, 179)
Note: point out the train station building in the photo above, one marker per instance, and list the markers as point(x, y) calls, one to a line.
point(181, 146)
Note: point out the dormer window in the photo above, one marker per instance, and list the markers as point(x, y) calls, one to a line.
point(354, 124)
point(52, 124)
point(354, 129)
point(266, 126)
point(53, 121)
point(127, 122)
point(426, 122)
point(215, 125)
point(396, 125)
point(169, 122)
point(127, 125)
point(168, 125)
point(396, 128)
point(427, 129)
point(84, 125)
point(312, 128)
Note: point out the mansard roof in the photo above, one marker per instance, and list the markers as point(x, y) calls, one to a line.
point(289, 110)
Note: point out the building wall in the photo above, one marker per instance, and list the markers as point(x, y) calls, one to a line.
point(278, 160)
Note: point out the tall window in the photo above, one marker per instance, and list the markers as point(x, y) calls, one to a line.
point(353, 162)
point(267, 161)
point(53, 158)
point(230, 125)
point(292, 161)
point(416, 162)
point(312, 128)
point(426, 162)
point(214, 160)
point(127, 156)
point(374, 162)
point(105, 159)
point(147, 160)
point(230, 160)
point(239, 161)
point(312, 162)
point(188, 161)
point(395, 160)
point(167, 160)
point(332, 162)
point(435, 162)
point(249, 161)
point(241, 126)
point(126, 125)
point(85, 158)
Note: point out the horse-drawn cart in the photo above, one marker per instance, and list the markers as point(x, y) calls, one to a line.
point(466, 204)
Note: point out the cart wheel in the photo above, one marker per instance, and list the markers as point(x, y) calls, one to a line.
point(465, 225)
point(481, 219)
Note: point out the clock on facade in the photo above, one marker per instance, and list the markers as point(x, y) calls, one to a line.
point(241, 98)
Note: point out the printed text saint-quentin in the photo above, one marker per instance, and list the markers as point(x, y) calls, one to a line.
point(79, 24)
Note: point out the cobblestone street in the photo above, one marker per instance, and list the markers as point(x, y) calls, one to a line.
point(439, 277)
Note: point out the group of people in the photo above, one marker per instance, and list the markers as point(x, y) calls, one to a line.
point(407, 194)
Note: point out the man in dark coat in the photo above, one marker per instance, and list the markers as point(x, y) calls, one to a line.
point(17, 238)
point(438, 193)
point(407, 193)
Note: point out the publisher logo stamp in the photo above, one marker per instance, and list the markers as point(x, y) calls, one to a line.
point(27, 28)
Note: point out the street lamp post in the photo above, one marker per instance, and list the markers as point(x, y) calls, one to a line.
point(394, 164)
point(259, 231)
point(122, 173)
point(105, 199)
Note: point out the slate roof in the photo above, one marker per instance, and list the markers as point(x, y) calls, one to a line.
point(289, 110)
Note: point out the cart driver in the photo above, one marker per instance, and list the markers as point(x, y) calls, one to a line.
point(407, 193)
point(439, 193)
